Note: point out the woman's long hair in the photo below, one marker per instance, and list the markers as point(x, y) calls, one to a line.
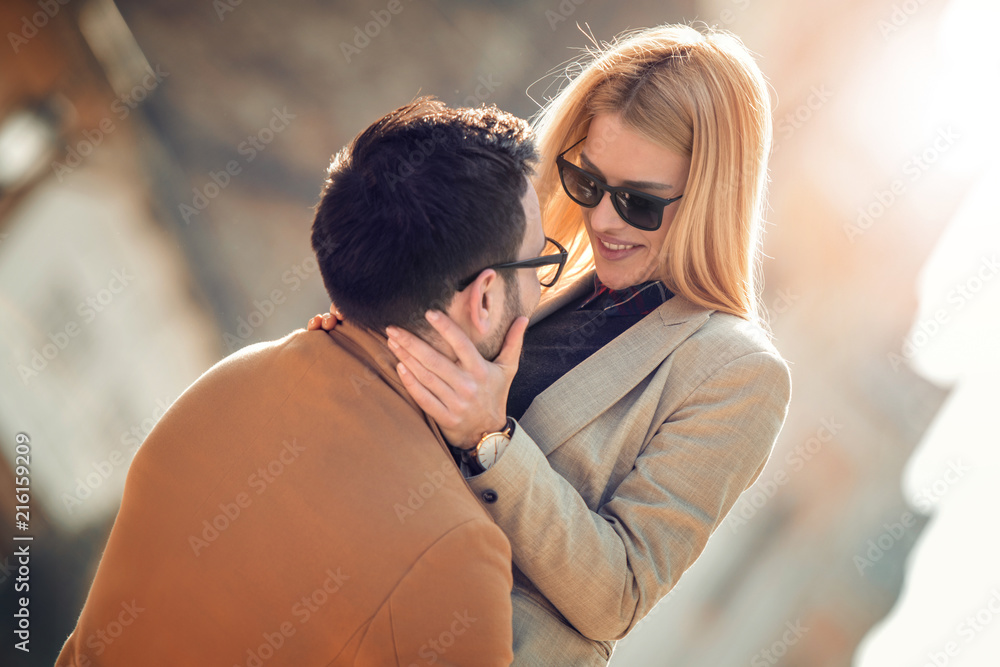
point(698, 94)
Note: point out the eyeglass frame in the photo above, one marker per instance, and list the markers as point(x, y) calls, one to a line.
point(562, 162)
point(532, 263)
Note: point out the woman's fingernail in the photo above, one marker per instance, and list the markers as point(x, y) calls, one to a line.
point(433, 315)
point(393, 344)
point(402, 369)
point(390, 331)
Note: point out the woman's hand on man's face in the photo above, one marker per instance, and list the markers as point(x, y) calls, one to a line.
point(466, 398)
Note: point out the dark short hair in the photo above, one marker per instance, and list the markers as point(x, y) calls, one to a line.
point(426, 196)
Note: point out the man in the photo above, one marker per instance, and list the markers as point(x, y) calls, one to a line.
point(295, 506)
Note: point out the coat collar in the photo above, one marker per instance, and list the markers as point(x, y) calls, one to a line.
point(371, 348)
point(606, 376)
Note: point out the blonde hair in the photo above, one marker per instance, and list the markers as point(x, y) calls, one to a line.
point(698, 94)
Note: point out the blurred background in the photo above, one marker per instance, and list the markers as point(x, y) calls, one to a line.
point(158, 166)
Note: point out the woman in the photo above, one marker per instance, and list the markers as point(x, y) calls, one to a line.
point(648, 396)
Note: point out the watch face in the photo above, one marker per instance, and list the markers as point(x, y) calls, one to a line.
point(491, 448)
point(487, 452)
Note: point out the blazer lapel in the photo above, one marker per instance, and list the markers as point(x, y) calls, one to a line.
point(586, 391)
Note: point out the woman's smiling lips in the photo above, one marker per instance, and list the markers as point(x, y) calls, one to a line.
point(612, 249)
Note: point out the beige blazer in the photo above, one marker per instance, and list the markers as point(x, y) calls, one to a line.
point(618, 473)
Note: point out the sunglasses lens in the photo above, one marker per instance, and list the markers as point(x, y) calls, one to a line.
point(581, 189)
point(639, 211)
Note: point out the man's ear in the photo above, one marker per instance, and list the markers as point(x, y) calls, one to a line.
point(478, 306)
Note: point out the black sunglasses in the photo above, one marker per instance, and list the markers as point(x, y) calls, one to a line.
point(533, 263)
point(637, 208)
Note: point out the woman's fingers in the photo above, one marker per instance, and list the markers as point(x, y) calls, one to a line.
point(510, 354)
point(468, 355)
point(467, 397)
point(431, 359)
point(325, 321)
point(427, 378)
point(427, 401)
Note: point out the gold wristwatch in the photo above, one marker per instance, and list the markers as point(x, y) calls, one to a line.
point(489, 448)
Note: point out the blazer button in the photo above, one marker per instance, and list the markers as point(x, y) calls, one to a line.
point(489, 496)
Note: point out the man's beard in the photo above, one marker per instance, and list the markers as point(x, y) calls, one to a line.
point(490, 347)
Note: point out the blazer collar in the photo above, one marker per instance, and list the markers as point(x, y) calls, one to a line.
point(371, 348)
point(590, 388)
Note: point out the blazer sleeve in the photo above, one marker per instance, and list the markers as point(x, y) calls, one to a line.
point(605, 570)
point(453, 607)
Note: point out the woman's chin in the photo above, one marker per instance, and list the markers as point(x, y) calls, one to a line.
point(618, 277)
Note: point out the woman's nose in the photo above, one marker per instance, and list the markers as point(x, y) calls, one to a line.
point(604, 216)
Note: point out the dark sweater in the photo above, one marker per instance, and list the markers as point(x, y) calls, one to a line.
point(574, 332)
